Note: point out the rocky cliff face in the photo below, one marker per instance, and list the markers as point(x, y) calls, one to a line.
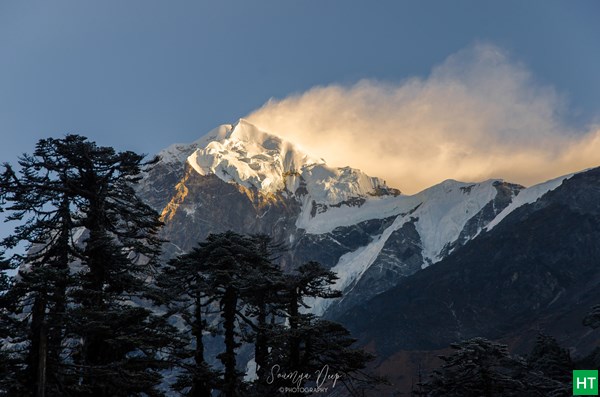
point(205, 204)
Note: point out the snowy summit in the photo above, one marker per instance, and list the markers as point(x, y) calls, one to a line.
point(244, 154)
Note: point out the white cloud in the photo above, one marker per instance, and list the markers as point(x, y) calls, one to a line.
point(478, 115)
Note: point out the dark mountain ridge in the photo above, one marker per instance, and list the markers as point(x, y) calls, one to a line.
point(536, 268)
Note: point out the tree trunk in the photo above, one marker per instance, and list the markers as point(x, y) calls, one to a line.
point(39, 346)
point(95, 351)
point(200, 385)
point(261, 348)
point(228, 358)
point(43, 353)
point(294, 360)
point(57, 314)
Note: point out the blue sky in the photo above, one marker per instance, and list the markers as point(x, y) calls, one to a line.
point(142, 74)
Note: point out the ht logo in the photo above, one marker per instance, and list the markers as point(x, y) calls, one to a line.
point(585, 383)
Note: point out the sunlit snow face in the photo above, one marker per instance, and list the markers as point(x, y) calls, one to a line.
point(253, 158)
point(478, 115)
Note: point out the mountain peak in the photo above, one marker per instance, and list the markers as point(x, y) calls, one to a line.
point(249, 156)
point(244, 154)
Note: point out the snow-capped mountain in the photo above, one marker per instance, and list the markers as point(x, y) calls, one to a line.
point(245, 155)
point(238, 177)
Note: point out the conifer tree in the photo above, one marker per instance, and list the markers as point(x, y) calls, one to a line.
point(317, 346)
point(553, 361)
point(310, 280)
point(216, 273)
point(120, 340)
point(263, 312)
point(184, 290)
point(480, 367)
point(38, 197)
point(92, 246)
point(228, 256)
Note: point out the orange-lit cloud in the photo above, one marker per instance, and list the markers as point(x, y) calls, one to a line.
point(478, 115)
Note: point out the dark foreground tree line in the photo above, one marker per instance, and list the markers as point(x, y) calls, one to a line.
point(92, 310)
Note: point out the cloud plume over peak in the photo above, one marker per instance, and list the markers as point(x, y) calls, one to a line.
point(478, 115)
